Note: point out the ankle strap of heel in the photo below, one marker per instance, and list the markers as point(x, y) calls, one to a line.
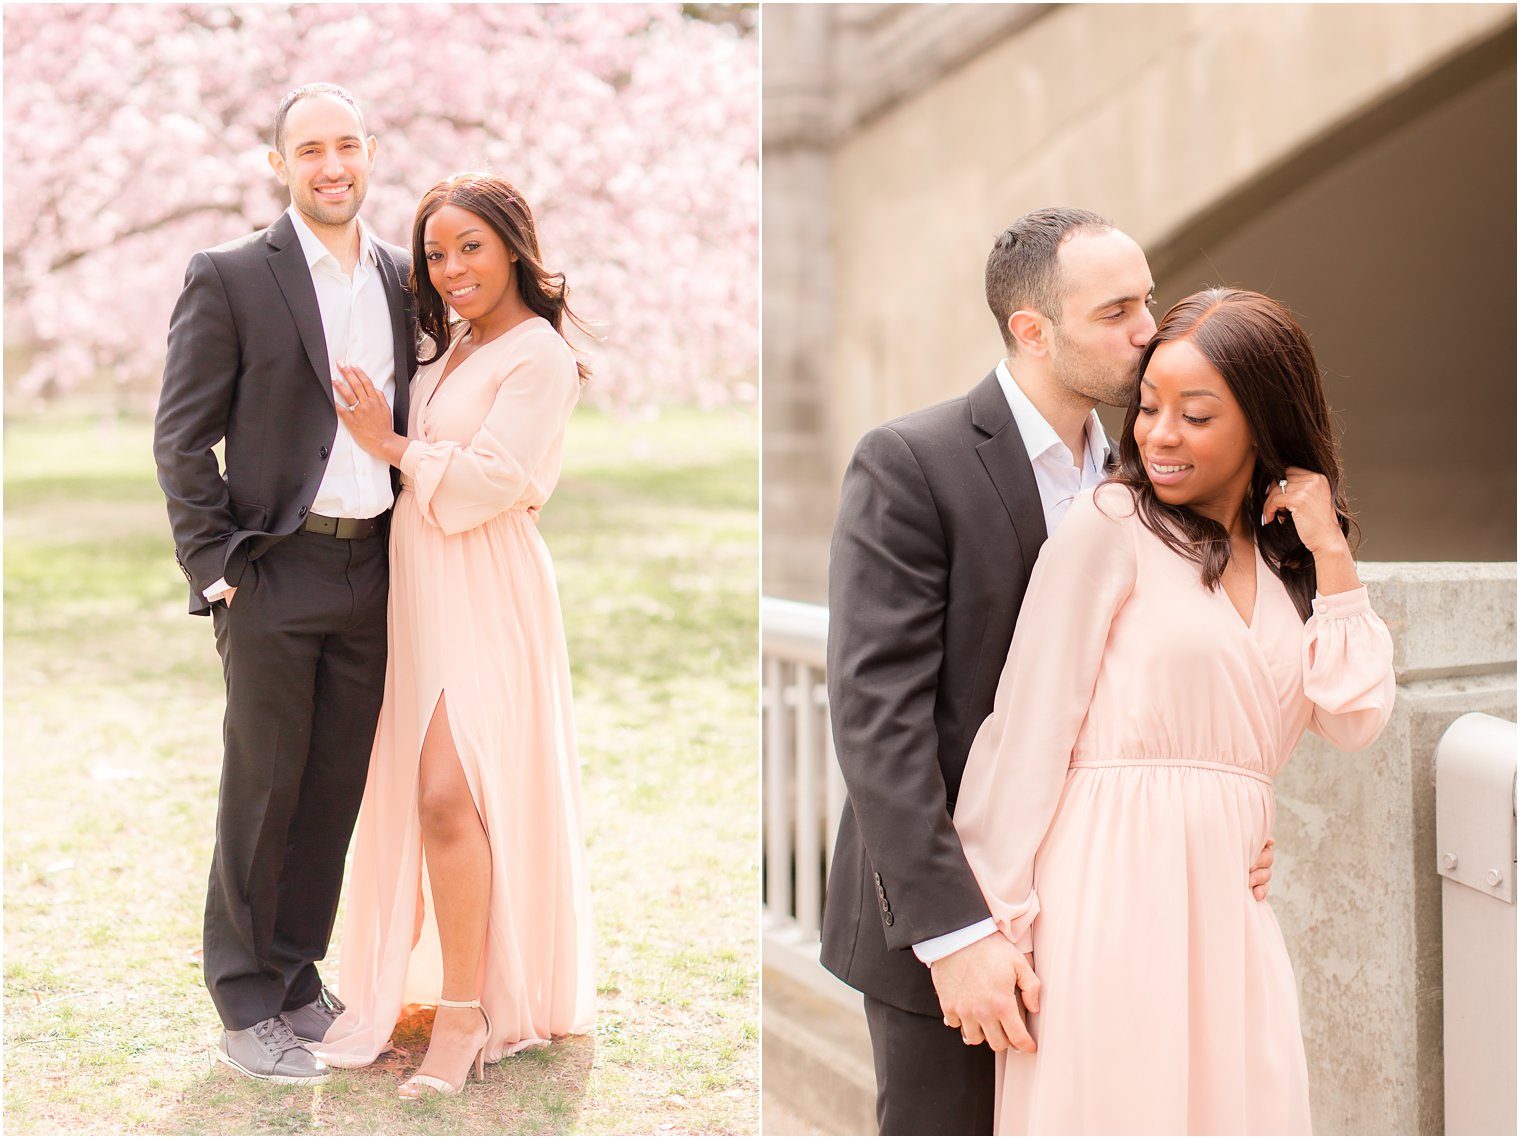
point(460, 1004)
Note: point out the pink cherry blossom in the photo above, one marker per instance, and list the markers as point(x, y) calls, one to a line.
point(137, 134)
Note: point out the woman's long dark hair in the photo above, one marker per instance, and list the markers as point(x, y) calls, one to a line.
point(1265, 358)
point(500, 206)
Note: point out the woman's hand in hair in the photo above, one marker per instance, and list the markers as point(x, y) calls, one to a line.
point(1306, 498)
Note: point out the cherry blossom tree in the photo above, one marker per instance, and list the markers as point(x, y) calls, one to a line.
point(137, 134)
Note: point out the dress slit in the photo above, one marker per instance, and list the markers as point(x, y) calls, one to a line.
point(470, 770)
point(475, 630)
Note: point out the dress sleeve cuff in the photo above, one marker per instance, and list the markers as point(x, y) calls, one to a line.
point(1352, 603)
point(410, 457)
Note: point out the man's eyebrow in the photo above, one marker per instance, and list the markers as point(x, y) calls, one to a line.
point(318, 141)
point(1124, 300)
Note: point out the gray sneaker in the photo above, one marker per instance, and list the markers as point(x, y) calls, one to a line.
point(270, 1051)
point(311, 1022)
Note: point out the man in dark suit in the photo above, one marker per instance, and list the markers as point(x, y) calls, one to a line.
point(287, 552)
point(941, 516)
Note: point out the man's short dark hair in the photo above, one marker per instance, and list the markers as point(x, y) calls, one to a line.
point(1022, 270)
point(306, 91)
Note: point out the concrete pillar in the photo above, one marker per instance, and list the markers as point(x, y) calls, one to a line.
point(797, 302)
point(1355, 886)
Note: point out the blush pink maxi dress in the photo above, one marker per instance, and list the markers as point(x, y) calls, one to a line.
point(474, 614)
point(1112, 806)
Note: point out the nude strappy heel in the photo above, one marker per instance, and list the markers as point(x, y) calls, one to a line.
point(438, 1086)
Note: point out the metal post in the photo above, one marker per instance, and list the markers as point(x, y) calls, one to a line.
point(1475, 856)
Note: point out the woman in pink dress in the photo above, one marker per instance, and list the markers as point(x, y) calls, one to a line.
point(1184, 626)
point(473, 798)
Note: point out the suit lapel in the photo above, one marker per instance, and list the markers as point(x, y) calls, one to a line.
point(288, 262)
point(1007, 462)
point(396, 297)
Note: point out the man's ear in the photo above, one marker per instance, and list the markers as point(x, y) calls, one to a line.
point(371, 144)
point(1030, 331)
point(277, 164)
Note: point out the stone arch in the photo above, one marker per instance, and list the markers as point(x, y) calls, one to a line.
point(1392, 236)
point(1182, 122)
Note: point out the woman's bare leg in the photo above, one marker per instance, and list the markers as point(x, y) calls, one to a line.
point(459, 871)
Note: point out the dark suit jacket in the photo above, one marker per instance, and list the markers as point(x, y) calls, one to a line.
point(938, 528)
point(248, 363)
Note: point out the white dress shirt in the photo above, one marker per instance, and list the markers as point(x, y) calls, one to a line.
point(1060, 480)
point(356, 322)
point(356, 325)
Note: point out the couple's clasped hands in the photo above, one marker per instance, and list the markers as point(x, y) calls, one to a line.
point(980, 986)
point(979, 989)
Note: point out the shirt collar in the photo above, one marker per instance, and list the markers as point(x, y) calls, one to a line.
point(312, 246)
point(1039, 436)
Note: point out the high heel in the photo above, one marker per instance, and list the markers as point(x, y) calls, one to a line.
point(440, 1086)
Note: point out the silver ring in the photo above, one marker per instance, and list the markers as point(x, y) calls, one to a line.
point(1282, 485)
point(350, 406)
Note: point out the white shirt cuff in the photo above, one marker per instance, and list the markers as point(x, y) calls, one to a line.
point(947, 943)
point(216, 589)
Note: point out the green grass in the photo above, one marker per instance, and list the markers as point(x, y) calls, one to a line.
point(113, 707)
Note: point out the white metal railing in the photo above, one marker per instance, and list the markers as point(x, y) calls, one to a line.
point(1475, 856)
point(804, 791)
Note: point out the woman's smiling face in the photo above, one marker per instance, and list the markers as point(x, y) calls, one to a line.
point(468, 262)
point(1192, 435)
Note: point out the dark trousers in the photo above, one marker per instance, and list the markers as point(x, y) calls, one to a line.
point(303, 653)
point(928, 1082)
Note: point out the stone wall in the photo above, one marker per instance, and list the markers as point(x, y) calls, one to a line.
point(928, 128)
point(1149, 113)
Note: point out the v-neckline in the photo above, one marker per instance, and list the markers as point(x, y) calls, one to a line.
point(443, 369)
point(1248, 622)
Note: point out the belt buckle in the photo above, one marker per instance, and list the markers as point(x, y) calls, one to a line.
point(345, 528)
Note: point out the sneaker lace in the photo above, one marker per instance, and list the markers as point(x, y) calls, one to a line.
point(276, 1035)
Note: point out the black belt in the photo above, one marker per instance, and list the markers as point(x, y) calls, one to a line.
point(344, 527)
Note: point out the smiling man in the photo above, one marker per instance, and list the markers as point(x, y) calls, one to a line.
point(286, 550)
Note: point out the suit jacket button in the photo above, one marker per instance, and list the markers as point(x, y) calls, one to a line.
point(876, 878)
point(301, 513)
point(322, 452)
point(887, 917)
